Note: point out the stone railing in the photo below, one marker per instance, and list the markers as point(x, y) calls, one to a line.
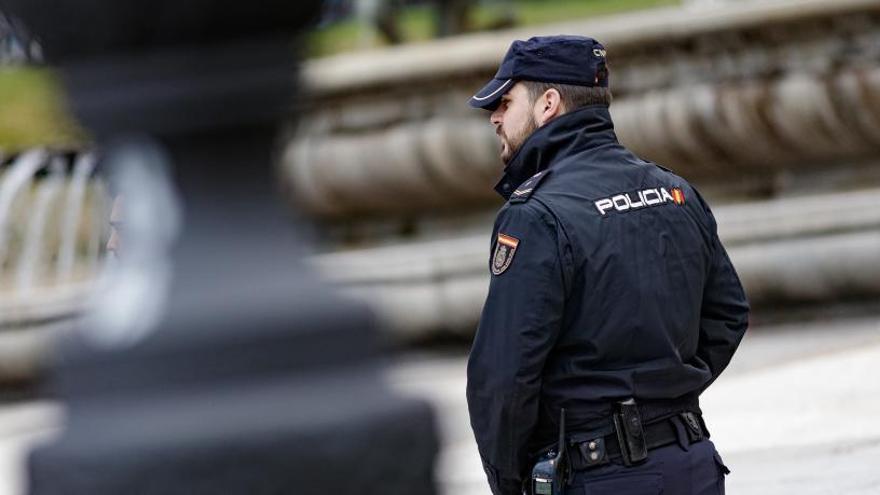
point(771, 108)
point(803, 250)
point(53, 214)
point(747, 91)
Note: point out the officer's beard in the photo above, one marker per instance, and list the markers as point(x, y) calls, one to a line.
point(511, 143)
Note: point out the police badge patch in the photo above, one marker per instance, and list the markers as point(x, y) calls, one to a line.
point(505, 248)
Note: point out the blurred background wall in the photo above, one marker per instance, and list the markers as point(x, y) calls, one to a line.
point(771, 108)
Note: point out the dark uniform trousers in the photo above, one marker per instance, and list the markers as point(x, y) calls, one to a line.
point(677, 468)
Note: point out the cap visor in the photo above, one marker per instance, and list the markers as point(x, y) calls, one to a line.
point(491, 94)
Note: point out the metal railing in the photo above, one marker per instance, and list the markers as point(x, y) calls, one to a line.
point(53, 212)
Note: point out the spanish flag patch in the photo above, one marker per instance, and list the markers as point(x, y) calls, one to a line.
point(678, 196)
point(505, 248)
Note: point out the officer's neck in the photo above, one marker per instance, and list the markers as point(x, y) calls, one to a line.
point(573, 132)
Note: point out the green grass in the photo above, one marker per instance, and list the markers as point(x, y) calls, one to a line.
point(416, 23)
point(32, 112)
point(541, 12)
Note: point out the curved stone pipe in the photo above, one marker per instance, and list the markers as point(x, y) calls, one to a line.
point(20, 174)
point(72, 216)
point(33, 248)
point(422, 165)
point(703, 132)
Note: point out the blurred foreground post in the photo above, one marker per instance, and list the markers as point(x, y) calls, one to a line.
point(216, 363)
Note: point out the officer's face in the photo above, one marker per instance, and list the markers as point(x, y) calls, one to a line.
point(514, 120)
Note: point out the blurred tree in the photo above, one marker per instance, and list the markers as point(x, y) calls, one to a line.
point(451, 17)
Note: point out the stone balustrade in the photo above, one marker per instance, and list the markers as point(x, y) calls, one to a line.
point(814, 249)
point(741, 92)
point(771, 108)
point(53, 212)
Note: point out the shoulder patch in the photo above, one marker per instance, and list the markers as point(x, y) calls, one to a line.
point(505, 248)
point(525, 190)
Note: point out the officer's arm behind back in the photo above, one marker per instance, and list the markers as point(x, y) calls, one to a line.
point(724, 316)
point(521, 320)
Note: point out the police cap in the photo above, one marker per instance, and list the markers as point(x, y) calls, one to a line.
point(576, 60)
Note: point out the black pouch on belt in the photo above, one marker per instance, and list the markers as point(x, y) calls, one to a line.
point(630, 432)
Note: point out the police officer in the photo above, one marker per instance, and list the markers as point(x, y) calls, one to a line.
point(611, 295)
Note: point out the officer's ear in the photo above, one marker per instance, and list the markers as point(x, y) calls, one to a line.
point(548, 107)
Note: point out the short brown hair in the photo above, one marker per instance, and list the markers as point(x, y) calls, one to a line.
point(572, 96)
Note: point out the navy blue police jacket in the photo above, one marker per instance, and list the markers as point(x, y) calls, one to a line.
point(608, 282)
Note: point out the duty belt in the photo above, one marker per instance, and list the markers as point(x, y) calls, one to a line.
point(612, 448)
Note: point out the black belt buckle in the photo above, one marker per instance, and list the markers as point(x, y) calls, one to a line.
point(694, 430)
point(630, 433)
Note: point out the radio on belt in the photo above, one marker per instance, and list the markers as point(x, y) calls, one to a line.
point(550, 474)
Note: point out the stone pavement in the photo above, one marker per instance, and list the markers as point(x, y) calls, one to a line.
point(796, 412)
point(21, 426)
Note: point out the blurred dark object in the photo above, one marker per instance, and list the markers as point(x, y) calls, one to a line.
point(16, 44)
point(248, 376)
point(71, 30)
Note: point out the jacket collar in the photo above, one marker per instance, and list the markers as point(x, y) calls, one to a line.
point(574, 132)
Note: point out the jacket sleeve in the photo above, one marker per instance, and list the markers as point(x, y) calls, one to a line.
point(521, 320)
point(724, 316)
